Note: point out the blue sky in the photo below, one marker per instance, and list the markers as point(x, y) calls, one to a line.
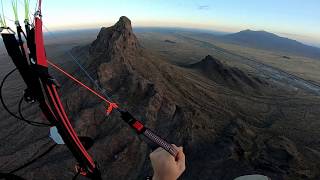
point(291, 18)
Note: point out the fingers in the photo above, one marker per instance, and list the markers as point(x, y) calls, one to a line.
point(155, 153)
point(180, 151)
point(160, 158)
point(177, 148)
point(180, 155)
point(180, 159)
point(159, 152)
point(158, 149)
point(174, 146)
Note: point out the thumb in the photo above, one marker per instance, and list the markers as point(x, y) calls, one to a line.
point(180, 154)
point(179, 149)
point(180, 160)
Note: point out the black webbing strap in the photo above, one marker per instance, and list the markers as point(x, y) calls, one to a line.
point(14, 51)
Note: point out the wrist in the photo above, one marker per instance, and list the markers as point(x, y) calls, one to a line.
point(158, 177)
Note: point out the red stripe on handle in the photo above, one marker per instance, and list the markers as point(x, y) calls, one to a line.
point(138, 126)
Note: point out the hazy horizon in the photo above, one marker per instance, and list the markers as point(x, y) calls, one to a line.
point(293, 19)
point(182, 29)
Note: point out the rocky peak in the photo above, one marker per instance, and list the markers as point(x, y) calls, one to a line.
point(222, 73)
point(210, 62)
point(124, 24)
point(118, 39)
point(208, 65)
point(116, 58)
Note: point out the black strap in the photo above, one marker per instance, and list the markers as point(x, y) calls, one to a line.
point(22, 64)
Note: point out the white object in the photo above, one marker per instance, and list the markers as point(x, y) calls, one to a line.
point(55, 136)
point(253, 177)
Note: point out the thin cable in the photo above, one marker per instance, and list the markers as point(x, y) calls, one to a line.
point(106, 97)
point(15, 9)
point(33, 123)
point(80, 83)
point(26, 10)
point(1, 97)
point(39, 5)
point(39, 124)
point(9, 19)
point(27, 13)
point(4, 21)
point(102, 90)
point(35, 8)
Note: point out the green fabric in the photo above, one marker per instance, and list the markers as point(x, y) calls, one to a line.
point(2, 19)
point(26, 9)
point(15, 9)
point(1, 22)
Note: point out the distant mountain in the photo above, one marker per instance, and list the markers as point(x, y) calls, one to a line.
point(273, 42)
point(231, 77)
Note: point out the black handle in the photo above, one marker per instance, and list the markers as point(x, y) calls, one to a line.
point(141, 129)
point(160, 142)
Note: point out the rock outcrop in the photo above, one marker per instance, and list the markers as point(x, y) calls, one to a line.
point(226, 75)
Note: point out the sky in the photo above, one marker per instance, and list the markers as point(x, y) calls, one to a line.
point(295, 19)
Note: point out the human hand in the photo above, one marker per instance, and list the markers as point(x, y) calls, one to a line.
point(165, 166)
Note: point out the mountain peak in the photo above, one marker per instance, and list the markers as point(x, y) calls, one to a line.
point(124, 22)
point(252, 32)
point(246, 30)
point(211, 61)
point(208, 64)
point(117, 39)
point(270, 41)
point(224, 74)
